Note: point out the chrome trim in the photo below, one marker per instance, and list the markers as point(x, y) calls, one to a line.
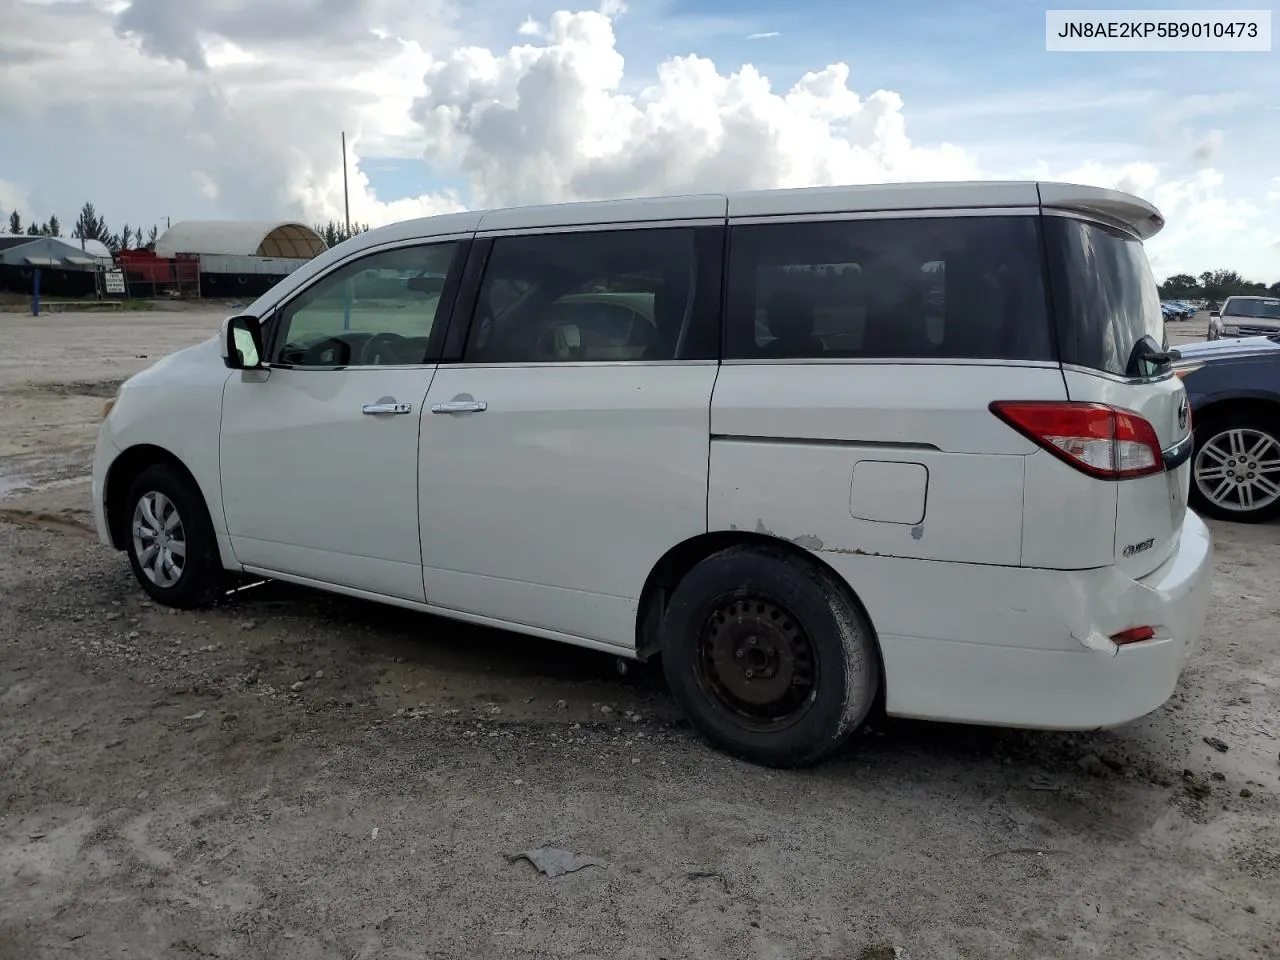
point(1095, 218)
point(460, 406)
point(908, 214)
point(534, 364)
point(1178, 454)
point(890, 362)
point(387, 405)
point(601, 227)
point(1119, 378)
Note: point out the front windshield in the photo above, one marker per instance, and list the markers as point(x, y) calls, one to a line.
point(1258, 309)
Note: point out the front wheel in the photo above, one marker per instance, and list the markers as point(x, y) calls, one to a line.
point(767, 656)
point(171, 543)
point(1235, 470)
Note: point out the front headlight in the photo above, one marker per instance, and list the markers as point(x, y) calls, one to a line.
point(110, 405)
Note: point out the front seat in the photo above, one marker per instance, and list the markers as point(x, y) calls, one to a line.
point(669, 303)
point(789, 317)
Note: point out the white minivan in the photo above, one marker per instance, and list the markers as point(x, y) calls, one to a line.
point(821, 449)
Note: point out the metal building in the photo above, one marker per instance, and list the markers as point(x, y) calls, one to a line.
point(67, 267)
point(240, 258)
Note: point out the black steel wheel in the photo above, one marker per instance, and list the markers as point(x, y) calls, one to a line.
point(769, 655)
point(756, 663)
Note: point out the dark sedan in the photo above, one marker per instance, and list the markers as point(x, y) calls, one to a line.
point(1234, 390)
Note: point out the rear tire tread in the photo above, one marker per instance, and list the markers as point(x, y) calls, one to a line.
point(849, 677)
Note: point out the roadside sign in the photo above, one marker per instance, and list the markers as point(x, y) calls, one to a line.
point(115, 282)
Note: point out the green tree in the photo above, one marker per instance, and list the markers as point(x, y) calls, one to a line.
point(33, 230)
point(334, 233)
point(1220, 284)
point(15, 222)
point(1181, 286)
point(55, 227)
point(90, 226)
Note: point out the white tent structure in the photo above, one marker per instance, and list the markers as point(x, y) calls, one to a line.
point(240, 238)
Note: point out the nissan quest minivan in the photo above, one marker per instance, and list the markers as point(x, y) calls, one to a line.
point(817, 449)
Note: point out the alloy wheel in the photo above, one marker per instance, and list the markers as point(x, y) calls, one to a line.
point(159, 539)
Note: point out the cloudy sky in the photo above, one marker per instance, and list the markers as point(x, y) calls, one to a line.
point(234, 108)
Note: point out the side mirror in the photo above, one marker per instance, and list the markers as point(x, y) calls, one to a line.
point(425, 284)
point(242, 343)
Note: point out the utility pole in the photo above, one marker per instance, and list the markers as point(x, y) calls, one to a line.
point(346, 198)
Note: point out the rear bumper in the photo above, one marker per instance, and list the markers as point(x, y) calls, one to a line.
point(1006, 646)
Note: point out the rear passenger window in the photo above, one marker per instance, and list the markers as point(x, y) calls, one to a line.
point(946, 287)
point(620, 295)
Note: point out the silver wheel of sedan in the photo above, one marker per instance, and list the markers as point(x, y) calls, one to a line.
point(159, 539)
point(1238, 470)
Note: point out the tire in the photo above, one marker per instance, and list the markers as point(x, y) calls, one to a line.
point(163, 491)
point(1218, 436)
point(793, 625)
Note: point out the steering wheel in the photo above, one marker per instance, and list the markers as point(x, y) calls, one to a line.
point(380, 345)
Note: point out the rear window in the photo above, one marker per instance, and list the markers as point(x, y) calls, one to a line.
point(944, 287)
point(1105, 296)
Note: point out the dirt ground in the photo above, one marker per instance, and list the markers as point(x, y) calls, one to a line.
point(293, 775)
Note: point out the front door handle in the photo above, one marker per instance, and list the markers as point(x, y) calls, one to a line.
point(386, 406)
point(460, 406)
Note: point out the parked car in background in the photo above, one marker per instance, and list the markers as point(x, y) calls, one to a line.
point(911, 445)
point(1249, 316)
point(1234, 390)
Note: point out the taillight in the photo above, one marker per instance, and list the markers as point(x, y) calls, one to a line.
point(1133, 635)
point(1100, 440)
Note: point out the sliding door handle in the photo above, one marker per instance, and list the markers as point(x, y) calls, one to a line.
point(460, 406)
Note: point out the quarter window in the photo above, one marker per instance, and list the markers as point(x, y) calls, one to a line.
point(376, 311)
point(1105, 299)
point(953, 287)
point(620, 295)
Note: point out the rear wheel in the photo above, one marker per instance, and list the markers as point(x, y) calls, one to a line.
point(171, 544)
point(768, 657)
point(1235, 470)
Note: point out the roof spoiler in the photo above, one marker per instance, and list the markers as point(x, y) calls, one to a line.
point(1124, 208)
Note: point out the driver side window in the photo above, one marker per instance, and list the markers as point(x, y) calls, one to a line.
point(375, 311)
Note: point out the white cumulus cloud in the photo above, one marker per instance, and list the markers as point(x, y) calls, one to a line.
point(551, 122)
point(234, 108)
point(1199, 215)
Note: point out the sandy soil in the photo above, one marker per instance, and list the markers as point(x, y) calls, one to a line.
point(292, 775)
